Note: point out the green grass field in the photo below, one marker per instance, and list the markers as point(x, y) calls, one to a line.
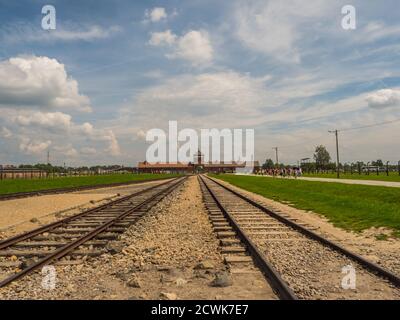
point(352, 207)
point(15, 185)
point(393, 176)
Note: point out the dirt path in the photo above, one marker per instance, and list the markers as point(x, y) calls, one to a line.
point(346, 181)
point(354, 181)
point(20, 215)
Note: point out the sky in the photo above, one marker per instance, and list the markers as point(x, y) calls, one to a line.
point(89, 90)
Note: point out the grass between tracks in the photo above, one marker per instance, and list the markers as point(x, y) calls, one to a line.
point(16, 185)
point(352, 207)
point(393, 176)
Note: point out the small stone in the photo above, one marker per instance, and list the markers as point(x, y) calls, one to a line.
point(168, 296)
point(123, 276)
point(114, 247)
point(134, 282)
point(34, 220)
point(180, 282)
point(163, 268)
point(222, 279)
point(70, 288)
point(206, 264)
point(174, 272)
point(79, 267)
point(27, 263)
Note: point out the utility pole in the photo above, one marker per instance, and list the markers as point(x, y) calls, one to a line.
point(48, 163)
point(337, 152)
point(276, 155)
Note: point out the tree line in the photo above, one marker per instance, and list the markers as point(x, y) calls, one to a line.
point(47, 167)
point(322, 162)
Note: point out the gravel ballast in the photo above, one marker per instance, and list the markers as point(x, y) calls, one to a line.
point(170, 253)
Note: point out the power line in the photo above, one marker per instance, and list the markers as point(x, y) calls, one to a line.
point(371, 125)
point(341, 130)
point(302, 143)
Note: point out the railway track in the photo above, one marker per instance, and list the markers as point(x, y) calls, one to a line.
point(297, 262)
point(19, 195)
point(82, 235)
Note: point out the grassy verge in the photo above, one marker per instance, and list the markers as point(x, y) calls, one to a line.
point(15, 185)
point(352, 207)
point(393, 176)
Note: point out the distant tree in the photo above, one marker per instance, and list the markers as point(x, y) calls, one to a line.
point(269, 164)
point(308, 166)
point(321, 157)
point(378, 163)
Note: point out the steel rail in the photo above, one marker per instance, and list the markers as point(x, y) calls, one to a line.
point(19, 195)
point(10, 241)
point(59, 253)
point(394, 278)
point(272, 276)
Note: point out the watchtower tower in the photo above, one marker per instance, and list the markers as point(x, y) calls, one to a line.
point(198, 163)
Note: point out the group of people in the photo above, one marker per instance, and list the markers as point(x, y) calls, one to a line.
point(282, 172)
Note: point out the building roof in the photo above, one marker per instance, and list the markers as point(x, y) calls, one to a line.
point(163, 165)
point(180, 165)
point(231, 165)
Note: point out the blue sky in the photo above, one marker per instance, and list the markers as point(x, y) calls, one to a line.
point(90, 89)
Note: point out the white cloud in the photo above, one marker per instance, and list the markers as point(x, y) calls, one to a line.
point(384, 98)
point(57, 120)
point(67, 32)
point(86, 128)
point(91, 33)
point(194, 46)
point(236, 100)
point(154, 74)
point(377, 30)
point(213, 98)
point(156, 14)
point(39, 82)
point(275, 27)
point(275, 108)
point(67, 151)
point(141, 134)
point(113, 147)
point(62, 130)
point(5, 133)
point(29, 146)
point(162, 38)
point(54, 121)
point(88, 151)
